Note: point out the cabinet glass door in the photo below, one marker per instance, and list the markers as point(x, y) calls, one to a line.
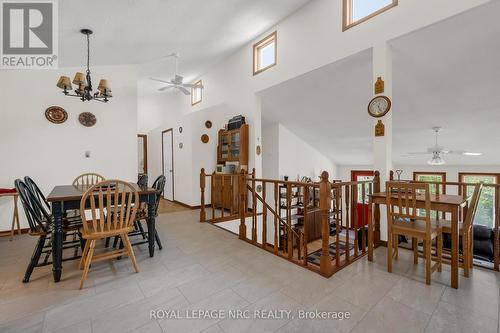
point(235, 145)
point(224, 147)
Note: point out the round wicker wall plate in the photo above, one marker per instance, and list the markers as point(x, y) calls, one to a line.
point(205, 138)
point(56, 114)
point(87, 119)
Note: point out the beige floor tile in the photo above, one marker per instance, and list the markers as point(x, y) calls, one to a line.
point(417, 295)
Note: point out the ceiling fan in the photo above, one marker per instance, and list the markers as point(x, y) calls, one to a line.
point(177, 81)
point(438, 151)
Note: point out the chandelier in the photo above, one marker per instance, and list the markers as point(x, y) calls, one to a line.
point(84, 82)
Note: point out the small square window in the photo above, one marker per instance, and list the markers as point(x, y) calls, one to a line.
point(197, 93)
point(358, 11)
point(264, 54)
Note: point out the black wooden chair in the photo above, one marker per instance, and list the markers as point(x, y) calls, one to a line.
point(40, 222)
point(142, 215)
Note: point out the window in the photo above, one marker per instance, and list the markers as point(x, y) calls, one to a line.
point(358, 11)
point(485, 213)
point(264, 54)
point(431, 177)
point(196, 93)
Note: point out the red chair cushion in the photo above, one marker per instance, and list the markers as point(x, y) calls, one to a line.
point(7, 190)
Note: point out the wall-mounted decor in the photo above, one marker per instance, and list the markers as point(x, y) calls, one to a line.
point(258, 150)
point(84, 81)
point(87, 119)
point(180, 145)
point(380, 128)
point(379, 106)
point(180, 129)
point(379, 86)
point(205, 138)
point(56, 114)
point(208, 124)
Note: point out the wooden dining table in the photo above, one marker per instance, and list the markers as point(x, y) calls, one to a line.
point(68, 197)
point(443, 203)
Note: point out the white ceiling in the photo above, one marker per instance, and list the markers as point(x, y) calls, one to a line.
point(204, 32)
point(327, 108)
point(447, 74)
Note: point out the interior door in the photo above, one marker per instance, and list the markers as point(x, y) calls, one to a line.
point(168, 163)
point(362, 203)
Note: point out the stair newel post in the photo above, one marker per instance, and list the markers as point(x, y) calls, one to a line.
point(254, 209)
point(376, 209)
point(203, 215)
point(242, 188)
point(324, 205)
point(391, 175)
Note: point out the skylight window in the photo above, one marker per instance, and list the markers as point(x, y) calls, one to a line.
point(196, 93)
point(358, 11)
point(264, 54)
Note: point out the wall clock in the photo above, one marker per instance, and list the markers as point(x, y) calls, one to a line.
point(379, 106)
point(87, 119)
point(56, 115)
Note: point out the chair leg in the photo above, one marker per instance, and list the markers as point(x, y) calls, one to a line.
point(158, 241)
point(439, 250)
point(396, 246)
point(141, 229)
point(414, 244)
point(428, 261)
point(130, 251)
point(88, 260)
point(389, 252)
point(84, 254)
point(465, 255)
point(34, 258)
point(115, 242)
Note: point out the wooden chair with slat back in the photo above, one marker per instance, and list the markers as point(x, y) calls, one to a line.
point(88, 179)
point(404, 218)
point(113, 205)
point(465, 230)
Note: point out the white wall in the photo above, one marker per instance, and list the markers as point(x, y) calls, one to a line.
point(310, 38)
point(270, 151)
point(54, 154)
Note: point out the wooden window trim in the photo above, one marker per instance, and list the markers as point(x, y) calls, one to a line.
point(193, 103)
point(145, 150)
point(271, 38)
point(461, 174)
point(347, 22)
point(431, 173)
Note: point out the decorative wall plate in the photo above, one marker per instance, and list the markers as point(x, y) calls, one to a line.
point(205, 138)
point(56, 114)
point(181, 145)
point(180, 129)
point(87, 119)
point(258, 150)
point(208, 124)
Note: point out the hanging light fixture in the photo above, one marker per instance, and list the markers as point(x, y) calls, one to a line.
point(84, 81)
point(436, 159)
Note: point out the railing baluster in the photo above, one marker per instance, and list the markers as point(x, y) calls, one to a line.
point(355, 219)
point(254, 210)
point(276, 229)
point(202, 199)
point(347, 222)
point(243, 190)
point(306, 223)
point(212, 194)
point(264, 217)
point(289, 221)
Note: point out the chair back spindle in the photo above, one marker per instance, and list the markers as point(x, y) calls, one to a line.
point(88, 179)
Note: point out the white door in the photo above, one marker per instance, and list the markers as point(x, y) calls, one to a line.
point(168, 163)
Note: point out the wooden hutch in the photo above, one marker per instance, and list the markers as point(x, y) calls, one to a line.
point(232, 149)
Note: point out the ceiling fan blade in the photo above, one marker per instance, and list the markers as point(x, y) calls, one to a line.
point(418, 153)
point(190, 85)
point(165, 88)
point(184, 90)
point(160, 80)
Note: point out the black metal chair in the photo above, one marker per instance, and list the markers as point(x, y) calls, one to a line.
point(142, 214)
point(40, 222)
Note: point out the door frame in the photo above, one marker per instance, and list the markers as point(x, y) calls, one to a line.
point(144, 150)
point(354, 173)
point(163, 159)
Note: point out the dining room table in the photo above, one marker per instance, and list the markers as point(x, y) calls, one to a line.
point(64, 198)
point(446, 203)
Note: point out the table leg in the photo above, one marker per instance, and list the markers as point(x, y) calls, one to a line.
point(370, 231)
point(57, 241)
point(151, 224)
point(454, 248)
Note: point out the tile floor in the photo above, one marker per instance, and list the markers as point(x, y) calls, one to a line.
point(203, 267)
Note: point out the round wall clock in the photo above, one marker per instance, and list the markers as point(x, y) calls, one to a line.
point(204, 138)
point(56, 114)
point(87, 119)
point(379, 106)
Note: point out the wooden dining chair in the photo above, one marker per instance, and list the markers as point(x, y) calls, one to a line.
point(88, 179)
point(465, 231)
point(404, 218)
point(113, 205)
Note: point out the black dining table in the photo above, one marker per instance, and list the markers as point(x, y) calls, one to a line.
point(68, 197)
